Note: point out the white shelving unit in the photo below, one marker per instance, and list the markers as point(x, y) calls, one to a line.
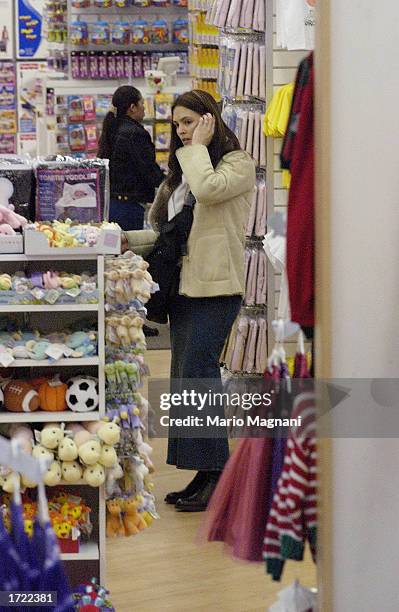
point(93, 550)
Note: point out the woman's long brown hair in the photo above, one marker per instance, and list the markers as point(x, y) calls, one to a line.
point(224, 140)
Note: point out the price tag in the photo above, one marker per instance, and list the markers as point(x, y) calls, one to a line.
point(55, 351)
point(6, 359)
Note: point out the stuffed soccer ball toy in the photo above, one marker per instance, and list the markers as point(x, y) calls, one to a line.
point(82, 394)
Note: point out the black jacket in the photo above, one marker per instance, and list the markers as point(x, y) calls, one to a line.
point(133, 170)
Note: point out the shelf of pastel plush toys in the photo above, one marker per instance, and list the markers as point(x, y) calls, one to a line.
point(49, 363)
point(48, 307)
point(88, 552)
point(41, 416)
point(50, 256)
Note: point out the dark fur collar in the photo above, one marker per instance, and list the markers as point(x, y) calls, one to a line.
point(159, 210)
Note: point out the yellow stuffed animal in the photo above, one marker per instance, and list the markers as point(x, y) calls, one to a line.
point(132, 520)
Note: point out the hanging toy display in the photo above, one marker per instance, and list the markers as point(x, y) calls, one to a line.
point(131, 503)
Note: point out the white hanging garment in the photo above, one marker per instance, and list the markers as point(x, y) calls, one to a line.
point(295, 24)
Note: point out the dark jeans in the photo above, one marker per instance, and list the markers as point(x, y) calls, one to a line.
point(198, 330)
point(129, 215)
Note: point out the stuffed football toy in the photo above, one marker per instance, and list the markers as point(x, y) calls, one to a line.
point(20, 396)
point(82, 394)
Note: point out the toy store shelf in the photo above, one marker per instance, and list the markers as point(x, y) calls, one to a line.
point(53, 256)
point(46, 417)
point(129, 11)
point(167, 46)
point(88, 552)
point(47, 363)
point(49, 308)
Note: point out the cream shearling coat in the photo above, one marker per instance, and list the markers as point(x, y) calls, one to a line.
point(214, 264)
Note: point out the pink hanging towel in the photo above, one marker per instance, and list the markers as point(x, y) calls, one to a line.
point(262, 71)
point(239, 345)
point(244, 129)
point(260, 16)
point(250, 289)
point(255, 76)
point(233, 16)
point(250, 135)
point(261, 209)
point(252, 216)
point(246, 16)
point(237, 512)
point(250, 348)
point(261, 346)
point(222, 11)
point(261, 286)
point(262, 146)
point(257, 131)
point(242, 71)
point(234, 77)
point(248, 77)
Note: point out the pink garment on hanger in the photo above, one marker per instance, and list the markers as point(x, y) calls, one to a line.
point(234, 77)
point(249, 71)
point(261, 210)
point(257, 131)
point(233, 16)
point(250, 135)
point(250, 348)
point(261, 346)
point(239, 345)
point(244, 129)
point(247, 262)
point(262, 146)
point(246, 16)
point(250, 289)
point(262, 71)
point(238, 511)
point(255, 76)
point(242, 70)
point(261, 286)
point(222, 11)
point(252, 216)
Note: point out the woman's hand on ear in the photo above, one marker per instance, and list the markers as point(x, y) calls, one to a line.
point(204, 131)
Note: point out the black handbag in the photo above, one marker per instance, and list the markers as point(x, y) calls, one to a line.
point(164, 260)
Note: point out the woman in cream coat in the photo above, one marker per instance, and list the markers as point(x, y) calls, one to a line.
point(206, 161)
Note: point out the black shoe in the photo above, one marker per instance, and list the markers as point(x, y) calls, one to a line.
point(150, 331)
point(197, 482)
point(199, 501)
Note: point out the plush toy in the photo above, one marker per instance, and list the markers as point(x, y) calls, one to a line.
point(40, 452)
point(82, 343)
point(52, 395)
point(89, 448)
point(107, 432)
point(132, 520)
point(67, 450)
point(112, 476)
point(94, 475)
point(20, 396)
point(51, 280)
point(144, 449)
point(37, 349)
point(53, 476)
point(82, 393)
point(71, 471)
point(8, 480)
point(5, 282)
point(115, 525)
point(10, 220)
point(108, 457)
point(23, 434)
point(51, 435)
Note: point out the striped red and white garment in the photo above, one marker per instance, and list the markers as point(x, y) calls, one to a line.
point(293, 516)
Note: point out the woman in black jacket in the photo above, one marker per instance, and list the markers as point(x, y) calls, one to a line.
point(134, 173)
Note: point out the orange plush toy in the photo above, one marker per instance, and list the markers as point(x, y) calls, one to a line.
point(133, 521)
point(114, 518)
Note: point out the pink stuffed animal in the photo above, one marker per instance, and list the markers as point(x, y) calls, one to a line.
point(24, 435)
point(10, 220)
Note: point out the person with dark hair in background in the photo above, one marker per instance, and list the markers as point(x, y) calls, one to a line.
point(210, 172)
point(134, 173)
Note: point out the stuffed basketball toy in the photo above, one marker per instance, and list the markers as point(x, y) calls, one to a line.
point(82, 394)
point(20, 396)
